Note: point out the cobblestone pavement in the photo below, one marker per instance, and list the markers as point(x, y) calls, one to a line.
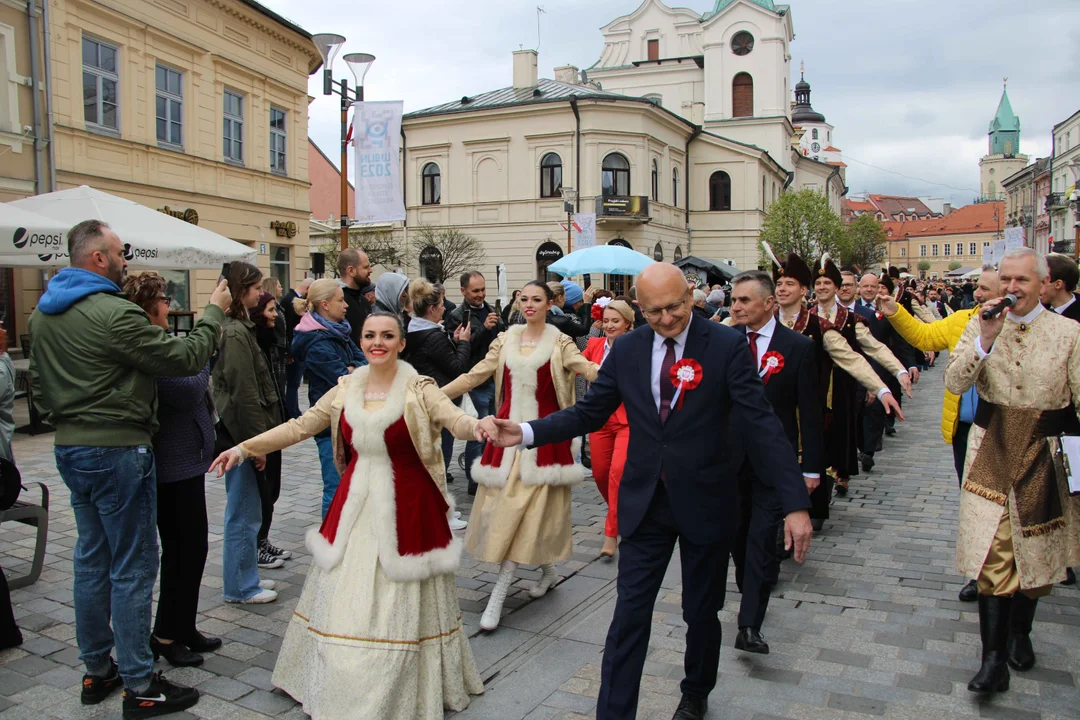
point(869, 626)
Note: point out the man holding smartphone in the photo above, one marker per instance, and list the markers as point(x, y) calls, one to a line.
point(485, 325)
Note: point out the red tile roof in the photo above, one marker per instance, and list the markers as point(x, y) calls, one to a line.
point(896, 205)
point(968, 220)
point(860, 206)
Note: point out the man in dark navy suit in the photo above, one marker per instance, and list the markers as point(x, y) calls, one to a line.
point(875, 421)
point(1060, 294)
point(787, 366)
point(681, 478)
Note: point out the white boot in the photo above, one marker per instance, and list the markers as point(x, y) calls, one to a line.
point(548, 578)
point(493, 612)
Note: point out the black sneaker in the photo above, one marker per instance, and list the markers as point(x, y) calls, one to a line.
point(268, 561)
point(95, 689)
point(161, 698)
point(275, 550)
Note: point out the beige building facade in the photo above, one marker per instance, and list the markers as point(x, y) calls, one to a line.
point(193, 107)
point(679, 137)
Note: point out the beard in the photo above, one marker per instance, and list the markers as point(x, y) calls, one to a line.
point(117, 271)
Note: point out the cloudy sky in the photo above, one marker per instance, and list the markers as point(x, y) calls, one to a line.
point(910, 85)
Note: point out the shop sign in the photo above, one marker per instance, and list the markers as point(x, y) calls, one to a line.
point(283, 229)
point(190, 215)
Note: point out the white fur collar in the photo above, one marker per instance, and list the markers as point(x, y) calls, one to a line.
point(540, 354)
point(369, 422)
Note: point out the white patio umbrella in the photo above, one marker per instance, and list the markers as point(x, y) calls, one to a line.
point(26, 233)
point(151, 239)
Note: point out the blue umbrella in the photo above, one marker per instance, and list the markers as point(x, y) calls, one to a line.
point(607, 259)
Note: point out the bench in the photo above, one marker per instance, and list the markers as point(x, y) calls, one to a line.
point(35, 516)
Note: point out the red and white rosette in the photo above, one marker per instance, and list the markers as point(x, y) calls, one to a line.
point(685, 375)
point(772, 362)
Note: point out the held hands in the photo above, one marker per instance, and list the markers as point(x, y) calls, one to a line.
point(221, 296)
point(491, 321)
point(891, 406)
point(811, 483)
point(502, 433)
point(870, 398)
point(797, 534)
point(914, 373)
point(990, 329)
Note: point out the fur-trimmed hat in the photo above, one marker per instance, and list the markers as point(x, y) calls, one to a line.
point(825, 267)
point(794, 267)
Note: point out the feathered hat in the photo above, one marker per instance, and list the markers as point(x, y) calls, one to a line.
point(794, 267)
point(825, 267)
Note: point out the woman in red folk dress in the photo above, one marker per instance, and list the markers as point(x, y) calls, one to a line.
point(522, 510)
point(377, 632)
point(609, 443)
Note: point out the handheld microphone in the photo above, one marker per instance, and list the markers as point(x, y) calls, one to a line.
point(1006, 302)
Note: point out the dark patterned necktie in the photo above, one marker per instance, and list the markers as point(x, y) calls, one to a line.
point(667, 388)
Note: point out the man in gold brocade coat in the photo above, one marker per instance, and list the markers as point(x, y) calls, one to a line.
point(1019, 527)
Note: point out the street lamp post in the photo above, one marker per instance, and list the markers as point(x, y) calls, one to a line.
point(569, 195)
point(328, 45)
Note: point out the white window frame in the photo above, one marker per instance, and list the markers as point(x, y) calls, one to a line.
point(933, 249)
point(170, 98)
point(235, 122)
point(286, 277)
point(903, 252)
point(282, 137)
point(948, 249)
point(101, 75)
point(922, 251)
point(959, 249)
point(971, 249)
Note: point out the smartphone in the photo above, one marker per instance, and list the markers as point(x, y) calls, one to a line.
point(224, 271)
point(498, 306)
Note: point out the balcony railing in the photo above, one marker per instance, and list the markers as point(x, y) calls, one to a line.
point(1056, 201)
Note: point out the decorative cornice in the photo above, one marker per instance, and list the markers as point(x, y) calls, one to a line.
point(267, 28)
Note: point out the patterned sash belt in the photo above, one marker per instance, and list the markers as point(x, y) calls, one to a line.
point(1015, 457)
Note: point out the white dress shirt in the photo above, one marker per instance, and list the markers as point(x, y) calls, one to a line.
point(763, 339)
point(659, 350)
point(1062, 308)
point(1015, 318)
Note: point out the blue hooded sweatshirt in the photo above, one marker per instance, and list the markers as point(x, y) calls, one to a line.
point(72, 285)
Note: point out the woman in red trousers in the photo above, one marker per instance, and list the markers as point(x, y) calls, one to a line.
point(608, 444)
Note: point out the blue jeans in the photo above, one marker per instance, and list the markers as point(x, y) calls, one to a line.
point(243, 518)
point(294, 375)
point(114, 496)
point(483, 399)
point(330, 476)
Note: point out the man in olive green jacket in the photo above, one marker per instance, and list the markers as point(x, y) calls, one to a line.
point(92, 369)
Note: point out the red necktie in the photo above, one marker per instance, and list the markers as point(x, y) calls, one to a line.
point(667, 388)
point(752, 337)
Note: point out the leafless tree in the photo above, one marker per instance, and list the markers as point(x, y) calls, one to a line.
point(459, 252)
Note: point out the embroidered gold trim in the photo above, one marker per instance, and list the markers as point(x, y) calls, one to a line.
point(1044, 529)
point(379, 640)
point(994, 497)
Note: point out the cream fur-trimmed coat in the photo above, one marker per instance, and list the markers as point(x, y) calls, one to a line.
point(505, 352)
point(426, 411)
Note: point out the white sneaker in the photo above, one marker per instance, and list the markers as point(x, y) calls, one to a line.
point(259, 598)
point(267, 584)
point(457, 514)
point(458, 524)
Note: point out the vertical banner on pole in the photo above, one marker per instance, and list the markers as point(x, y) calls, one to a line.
point(585, 224)
point(500, 279)
point(377, 145)
point(1014, 238)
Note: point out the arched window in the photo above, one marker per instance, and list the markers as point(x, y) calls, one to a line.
point(546, 254)
point(742, 95)
point(675, 187)
point(719, 191)
point(655, 181)
point(432, 184)
point(615, 175)
point(813, 134)
point(551, 176)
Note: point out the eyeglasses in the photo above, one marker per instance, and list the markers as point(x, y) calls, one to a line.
point(167, 299)
point(671, 309)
